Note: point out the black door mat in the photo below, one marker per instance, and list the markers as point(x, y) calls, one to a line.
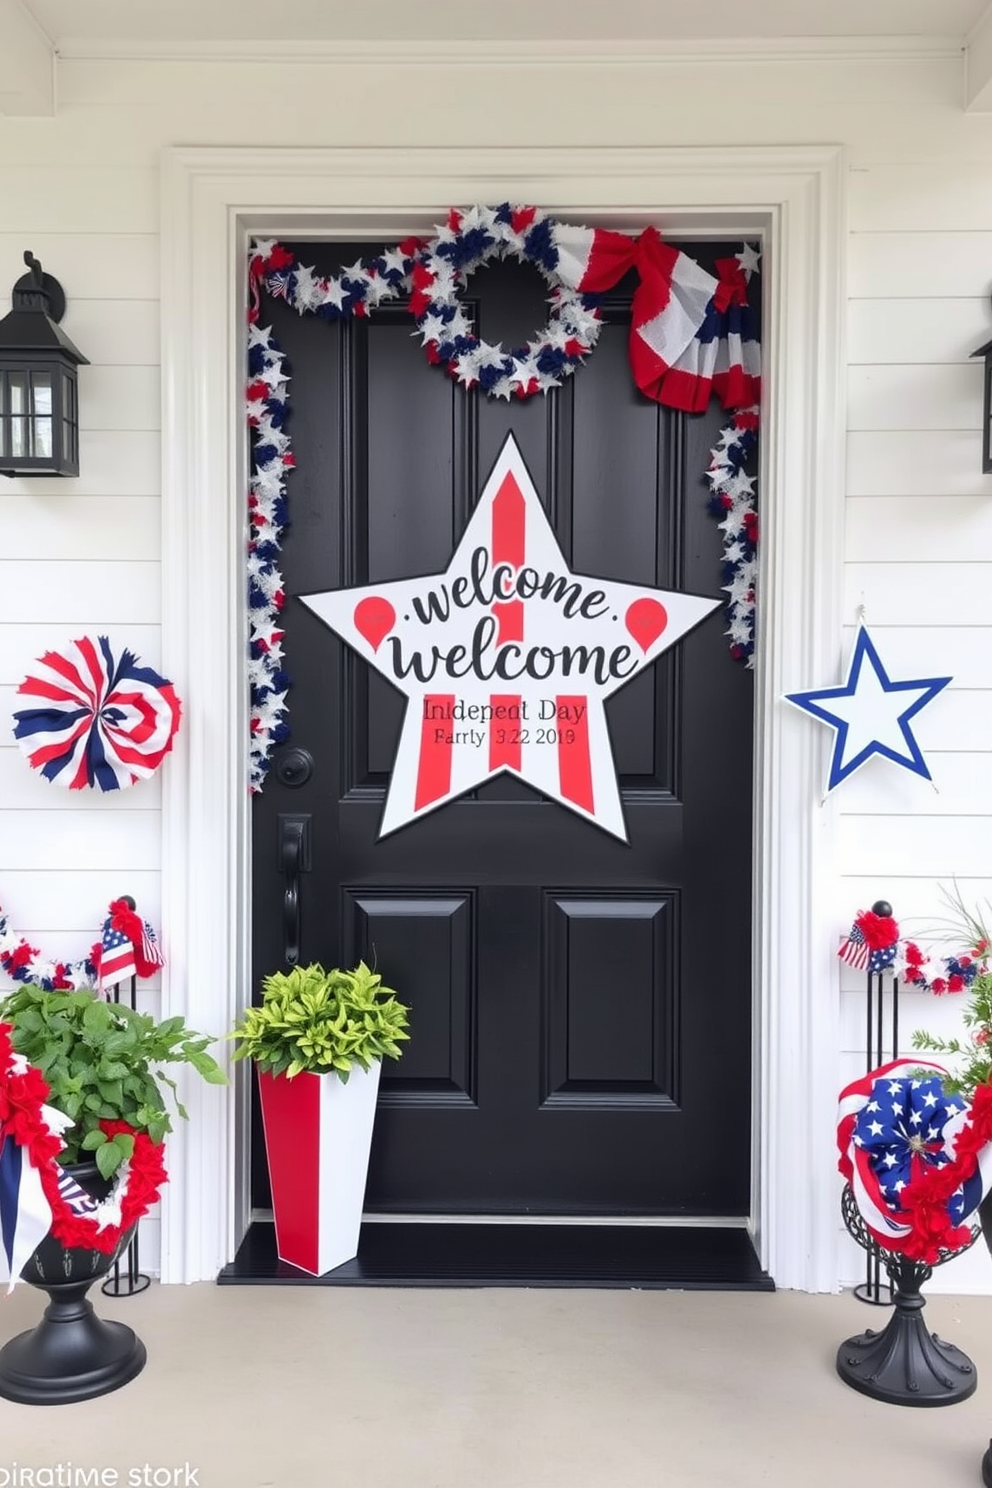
point(652, 1257)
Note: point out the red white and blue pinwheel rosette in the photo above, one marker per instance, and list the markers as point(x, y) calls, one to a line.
point(95, 720)
point(908, 1151)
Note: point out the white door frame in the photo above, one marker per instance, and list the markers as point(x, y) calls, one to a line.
point(793, 196)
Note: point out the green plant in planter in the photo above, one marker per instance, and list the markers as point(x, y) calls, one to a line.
point(102, 1062)
point(322, 1022)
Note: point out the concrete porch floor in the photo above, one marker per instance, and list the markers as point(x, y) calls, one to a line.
point(284, 1387)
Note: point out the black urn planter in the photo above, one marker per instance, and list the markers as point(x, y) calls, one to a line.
point(905, 1364)
point(71, 1354)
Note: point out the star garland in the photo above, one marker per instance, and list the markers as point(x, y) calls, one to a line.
point(734, 504)
point(720, 355)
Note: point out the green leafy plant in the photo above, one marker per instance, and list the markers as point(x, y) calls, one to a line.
point(967, 971)
point(102, 1062)
point(322, 1022)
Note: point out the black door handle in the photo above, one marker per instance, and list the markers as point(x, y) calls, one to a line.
point(294, 859)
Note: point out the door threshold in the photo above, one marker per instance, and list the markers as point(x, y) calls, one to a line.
point(613, 1221)
point(667, 1221)
point(602, 1255)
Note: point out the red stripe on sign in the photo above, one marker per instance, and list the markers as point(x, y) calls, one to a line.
point(509, 621)
point(509, 546)
point(504, 733)
point(434, 766)
point(291, 1120)
point(509, 523)
point(574, 761)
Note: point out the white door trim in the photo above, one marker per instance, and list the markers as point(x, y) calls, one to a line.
point(794, 196)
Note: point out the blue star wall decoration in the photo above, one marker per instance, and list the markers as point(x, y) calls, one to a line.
point(870, 714)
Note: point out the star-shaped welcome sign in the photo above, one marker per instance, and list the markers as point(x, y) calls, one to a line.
point(507, 659)
point(870, 713)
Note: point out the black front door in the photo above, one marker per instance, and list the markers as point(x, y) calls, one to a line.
point(580, 1006)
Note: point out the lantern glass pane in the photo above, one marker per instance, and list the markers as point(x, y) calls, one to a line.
point(41, 393)
point(18, 384)
point(18, 437)
point(42, 438)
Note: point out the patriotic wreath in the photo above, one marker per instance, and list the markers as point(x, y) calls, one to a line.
point(37, 1196)
point(692, 334)
point(473, 238)
point(127, 947)
point(918, 1160)
point(96, 720)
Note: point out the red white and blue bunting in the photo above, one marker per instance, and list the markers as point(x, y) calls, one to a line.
point(95, 719)
point(693, 335)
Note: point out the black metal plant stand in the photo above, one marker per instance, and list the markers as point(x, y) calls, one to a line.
point(904, 1364)
point(873, 1289)
point(127, 1280)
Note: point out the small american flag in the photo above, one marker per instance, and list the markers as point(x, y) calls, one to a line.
point(116, 956)
point(150, 949)
point(871, 943)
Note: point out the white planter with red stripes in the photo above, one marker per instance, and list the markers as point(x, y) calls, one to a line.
point(318, 1133)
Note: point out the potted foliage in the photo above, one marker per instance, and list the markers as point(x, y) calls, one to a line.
point(83, 1118)
point(318, 1040)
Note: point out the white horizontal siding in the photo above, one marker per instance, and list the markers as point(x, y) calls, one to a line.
point(912, 197)
point(96, 265)
point(916, 463)
point(904, 529)
point(904, 593)
point(69, 526)
point(956, 846)
point(112, 462)
point(98, 197)
point(23, 789)
point(23, 642)
point(929, 651)
point(120, 397)
point(918, 396)
point(116, 333)
point(54, 899)
point(92, 593)
point(123, 840)
point(915, 330)
point(962, 787)
point(883, 265)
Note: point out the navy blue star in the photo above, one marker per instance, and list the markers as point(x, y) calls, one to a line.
point(870, 713)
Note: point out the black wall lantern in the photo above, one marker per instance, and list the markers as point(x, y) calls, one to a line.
point(986, 352)
point(39, 405)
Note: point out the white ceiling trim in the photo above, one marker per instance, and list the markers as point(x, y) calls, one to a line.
point(27, 63)
point(978, 66)
point(517, 53)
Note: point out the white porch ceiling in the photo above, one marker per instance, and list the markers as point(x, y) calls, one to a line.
point(151, 22)
point(35, 34)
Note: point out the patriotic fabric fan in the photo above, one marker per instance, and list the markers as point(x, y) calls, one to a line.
point(95, 720)
point(917, 1160)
